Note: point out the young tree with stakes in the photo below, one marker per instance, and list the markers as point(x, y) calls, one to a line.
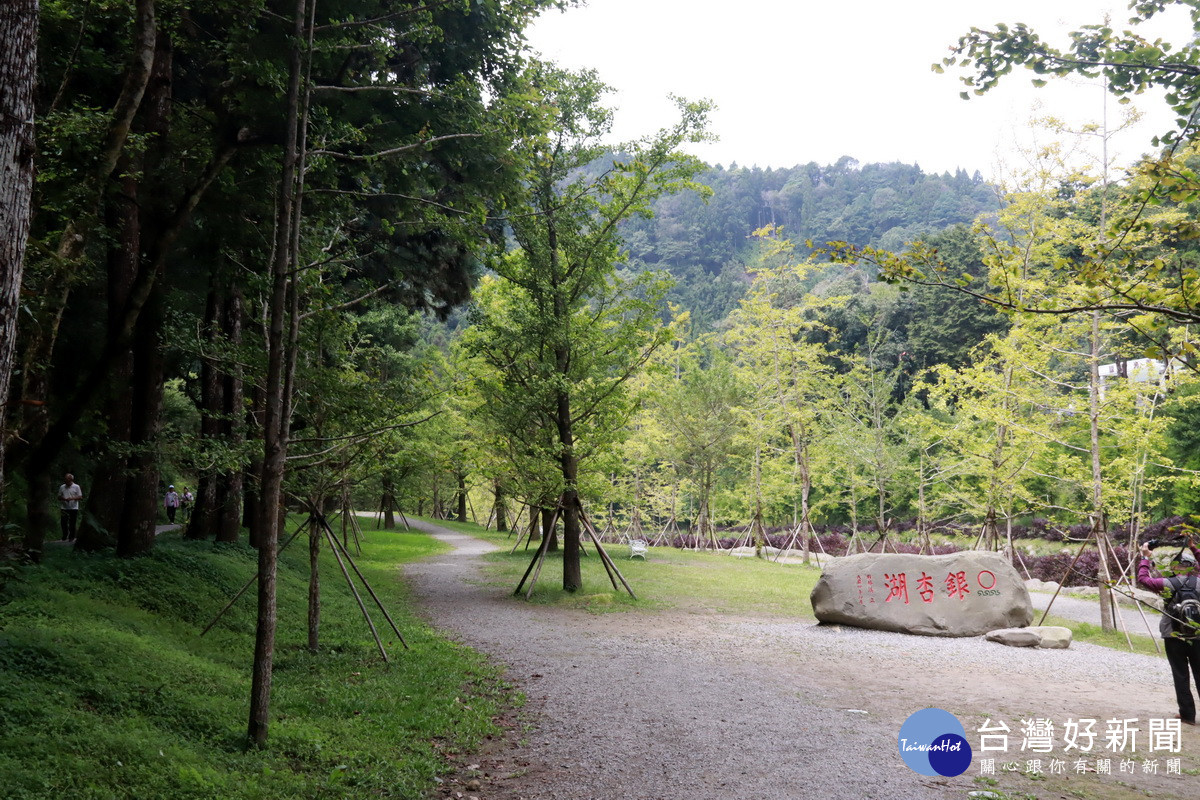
point(583, 330)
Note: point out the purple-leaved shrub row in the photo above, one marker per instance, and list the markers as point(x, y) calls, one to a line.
point(1061, 567)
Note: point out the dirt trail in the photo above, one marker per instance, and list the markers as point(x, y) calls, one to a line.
point(691, 705)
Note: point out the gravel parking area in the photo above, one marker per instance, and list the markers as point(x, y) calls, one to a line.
point(693, 705)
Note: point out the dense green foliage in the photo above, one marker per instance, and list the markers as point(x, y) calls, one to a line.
point(110, 692)
point(828, 397)
point(163, 131)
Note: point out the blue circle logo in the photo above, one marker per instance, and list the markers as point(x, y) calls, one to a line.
point(933, 742)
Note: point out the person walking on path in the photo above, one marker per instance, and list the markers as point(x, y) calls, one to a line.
point(1182, 651)
point(171, 503)
point(185, 504)
point(69, 495)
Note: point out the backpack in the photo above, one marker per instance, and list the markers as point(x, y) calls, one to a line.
point(1184, 607)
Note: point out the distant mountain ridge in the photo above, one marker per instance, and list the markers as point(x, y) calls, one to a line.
point(705, 246)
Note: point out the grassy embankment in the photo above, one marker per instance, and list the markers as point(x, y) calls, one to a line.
point(108, 691)
point(702, 582)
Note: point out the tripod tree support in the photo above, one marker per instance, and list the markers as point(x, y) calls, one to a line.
point(361, 606)
point(366, 584)
point(604, 556)
point(537, 560)
point(1118, 618)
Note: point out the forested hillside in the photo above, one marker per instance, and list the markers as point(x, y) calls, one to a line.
point(706, 243)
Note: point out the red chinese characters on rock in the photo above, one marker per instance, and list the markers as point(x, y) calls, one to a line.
point(866, 590)
point(925, 587)
point(897, 587)
point(957, 586)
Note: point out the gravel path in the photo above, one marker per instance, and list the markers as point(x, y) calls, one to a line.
point(692, 705)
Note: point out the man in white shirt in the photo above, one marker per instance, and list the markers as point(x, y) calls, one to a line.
point(69, 495)
point(171, 503)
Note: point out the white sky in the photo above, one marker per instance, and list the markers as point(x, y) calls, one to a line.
point(797, 80)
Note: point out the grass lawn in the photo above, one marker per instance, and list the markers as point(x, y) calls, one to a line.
point(108, 691)
point(668, 578)
point(700, 581)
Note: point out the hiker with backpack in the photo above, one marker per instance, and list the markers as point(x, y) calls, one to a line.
point(1180, 623)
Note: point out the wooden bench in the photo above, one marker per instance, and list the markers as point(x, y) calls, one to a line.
point(638, 547)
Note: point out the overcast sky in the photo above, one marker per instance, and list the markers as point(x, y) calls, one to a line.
point(797, 81)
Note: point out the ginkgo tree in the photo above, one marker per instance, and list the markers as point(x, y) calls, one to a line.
point(564, 320)
point(786, 370)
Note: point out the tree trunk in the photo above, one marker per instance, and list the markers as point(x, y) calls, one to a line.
point(229, 486)
point(136, 532)
point(18, 76)
point(106, 498)
point(282, 315)
point(462, 496)
point(251, 507)
point(387, 503)
point(37, 515)
point(635, 517)
point(46, 436)
point(501, 514)
point(217, 513)
point(206, 514)
point(806, 528)
point(35, 391)
point(550, 530)
point(1099, 517)
point(756, 524)
point(572, 569)
point(135, 535)
point(314, 586)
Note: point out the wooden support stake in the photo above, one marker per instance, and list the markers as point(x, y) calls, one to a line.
point(540, 561)
point(605, 557)
point(787, 545)
point(1017, 552)
point(536, 557)
point(1070, 567)
point(344, 505)
point(248, 584)
point(525, 535)
point(367, 585)
point(604, 553)
point(979, 541)
point(543, 549)
point(1117, 606)
point(354, 590)
point(356, 528)
point(611, 578)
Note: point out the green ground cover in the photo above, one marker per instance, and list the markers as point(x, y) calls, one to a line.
point(701, 581)
point(108, 691)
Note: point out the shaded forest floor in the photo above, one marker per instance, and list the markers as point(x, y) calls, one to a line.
point(730, 698)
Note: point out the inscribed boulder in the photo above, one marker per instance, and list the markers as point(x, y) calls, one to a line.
point(961, 594)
